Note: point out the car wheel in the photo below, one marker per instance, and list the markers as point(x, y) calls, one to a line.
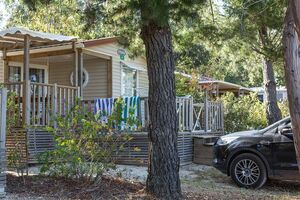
point(248, 170)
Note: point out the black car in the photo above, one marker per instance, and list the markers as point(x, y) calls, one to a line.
point(251, 157)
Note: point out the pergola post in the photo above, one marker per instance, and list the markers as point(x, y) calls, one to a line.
point(80, 71)
point(5, 65)
point(26, 85)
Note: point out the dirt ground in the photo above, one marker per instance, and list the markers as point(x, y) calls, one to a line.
point(127, 182)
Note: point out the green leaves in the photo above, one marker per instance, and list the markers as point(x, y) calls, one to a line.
point(246, 112)
point(84, 146)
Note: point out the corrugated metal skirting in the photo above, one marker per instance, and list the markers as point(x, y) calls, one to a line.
point(134, 152)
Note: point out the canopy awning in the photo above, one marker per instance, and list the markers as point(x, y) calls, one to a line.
point(13, 38)
point(223, 85)
point(134, 66)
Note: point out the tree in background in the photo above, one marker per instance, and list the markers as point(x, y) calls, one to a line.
point(292, 67)
point(55, 16)
point(260, 26)
point(215, 49)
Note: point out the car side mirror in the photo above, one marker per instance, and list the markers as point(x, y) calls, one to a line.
point(286, 130)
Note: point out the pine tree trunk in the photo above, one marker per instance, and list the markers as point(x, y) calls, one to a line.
point(163, 170)
point(292, 74)
point(272, 109)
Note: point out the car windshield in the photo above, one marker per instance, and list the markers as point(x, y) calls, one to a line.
point(276, 124)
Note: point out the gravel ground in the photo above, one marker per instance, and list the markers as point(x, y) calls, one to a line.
point(139, 173)
point(127, 182)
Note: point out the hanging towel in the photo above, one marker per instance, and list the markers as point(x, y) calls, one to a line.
point(132, 106)
point(104, 107)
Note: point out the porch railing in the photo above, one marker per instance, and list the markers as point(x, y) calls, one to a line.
point(208, 117)
point(16, 90)
point(143, 115)
point(184, 106)
point(45, 101)
point(191, 116)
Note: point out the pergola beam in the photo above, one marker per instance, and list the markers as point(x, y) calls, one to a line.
point(41, 54)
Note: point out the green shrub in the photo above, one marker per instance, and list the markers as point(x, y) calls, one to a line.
point(15, 154)
point(84, 146)
point(246, 112)
point(186, 86)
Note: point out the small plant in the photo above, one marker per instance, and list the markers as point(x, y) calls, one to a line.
point(16, 154)
point(85, 147)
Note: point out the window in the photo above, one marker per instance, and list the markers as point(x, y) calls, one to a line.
point(35, 75)
point(14, 74)
point(129, 81)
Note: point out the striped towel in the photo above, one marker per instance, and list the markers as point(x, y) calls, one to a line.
point(104, 107)
point(132, 104)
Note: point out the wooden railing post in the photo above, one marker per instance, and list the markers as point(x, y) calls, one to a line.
point(26, 103)
point(54, 104)
point(78, 93)
point(205, 112)
point(191, 118)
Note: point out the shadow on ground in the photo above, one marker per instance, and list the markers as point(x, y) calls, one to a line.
point(211, 184)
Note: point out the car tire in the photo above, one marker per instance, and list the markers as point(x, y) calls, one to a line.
point(248, 170)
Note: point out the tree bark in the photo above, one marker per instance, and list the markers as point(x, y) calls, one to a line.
point(272, 109)
point(292, 71)
point(163, 169)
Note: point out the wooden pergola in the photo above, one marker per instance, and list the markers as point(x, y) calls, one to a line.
point(21, 39)
point(220, 87)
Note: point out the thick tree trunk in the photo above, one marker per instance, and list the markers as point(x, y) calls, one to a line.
point(272, 109)
point(163, 170)
point(292, 72)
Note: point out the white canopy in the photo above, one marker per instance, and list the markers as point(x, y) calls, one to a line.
point(134, 66)
point(223, 85)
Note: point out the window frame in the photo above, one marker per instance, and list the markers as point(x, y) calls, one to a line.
point(123, 66)
point(31, 66)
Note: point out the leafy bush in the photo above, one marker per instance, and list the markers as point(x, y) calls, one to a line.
point(85, 147)
point(15, 155)
point(246, 112)
point(186, 86)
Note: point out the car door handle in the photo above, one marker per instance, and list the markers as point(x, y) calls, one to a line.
point(267, 143)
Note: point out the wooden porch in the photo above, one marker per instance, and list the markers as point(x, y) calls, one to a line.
point(44, 102)
point(48, 100)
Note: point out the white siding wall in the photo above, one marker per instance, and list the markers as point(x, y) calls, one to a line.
point(143, 84)
point(59, 72)
point(111, 49)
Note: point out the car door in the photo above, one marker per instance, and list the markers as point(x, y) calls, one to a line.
point(284, 162)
